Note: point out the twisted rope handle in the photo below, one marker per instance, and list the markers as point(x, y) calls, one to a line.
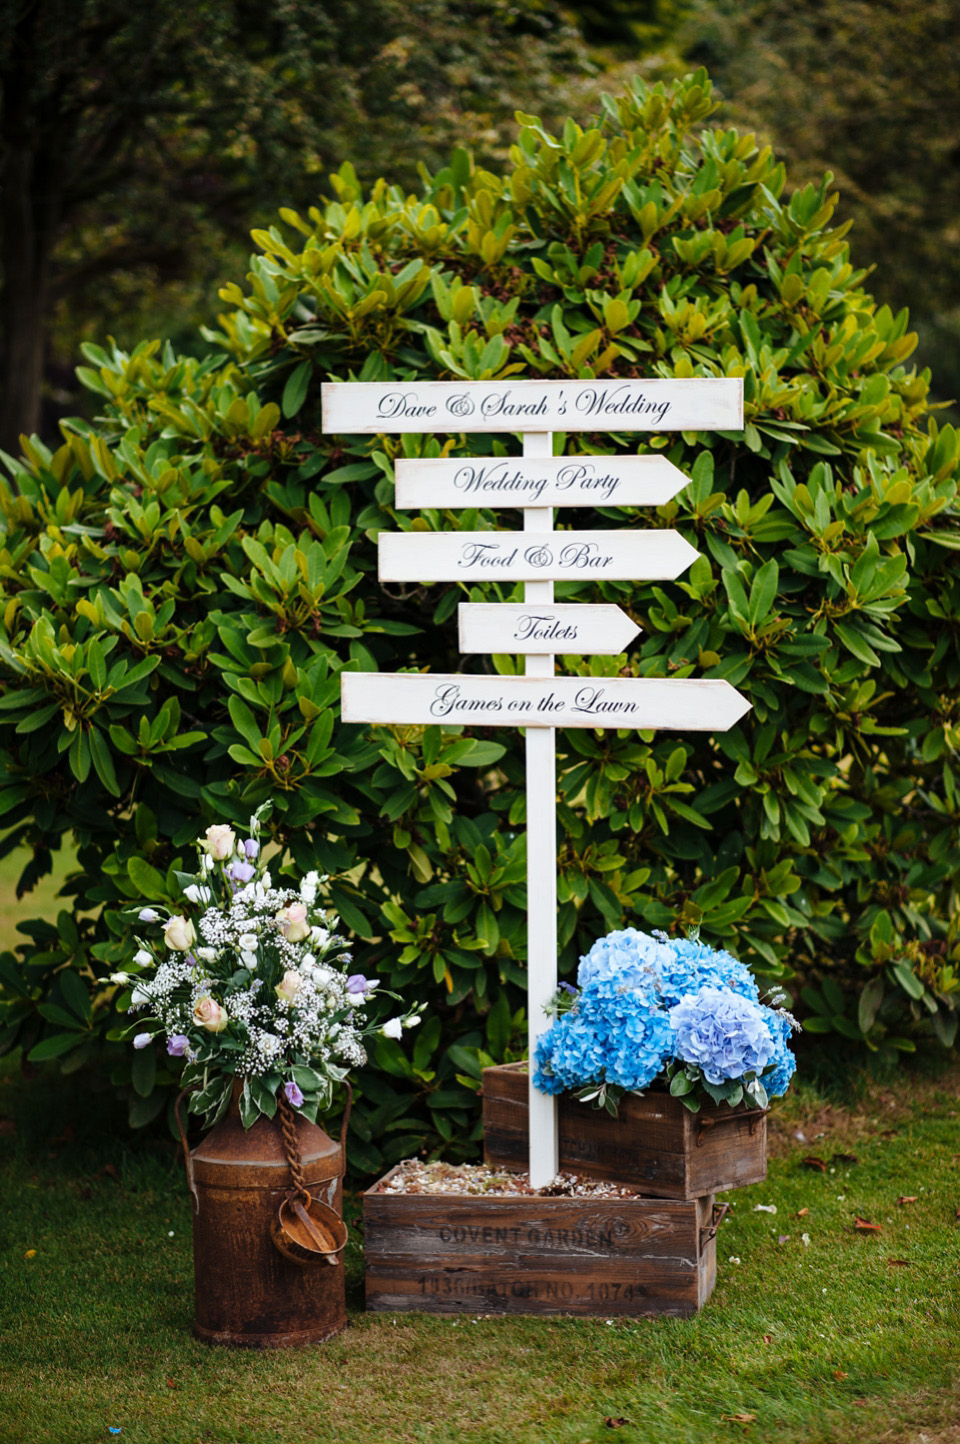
point(291, 1146)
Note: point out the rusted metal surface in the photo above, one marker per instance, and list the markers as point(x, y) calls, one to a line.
point(456, 1253)
point(249, 1294)
point(654, 1144)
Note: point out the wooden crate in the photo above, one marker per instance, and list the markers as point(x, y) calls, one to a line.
point(526, 1254)
point(654, 1143)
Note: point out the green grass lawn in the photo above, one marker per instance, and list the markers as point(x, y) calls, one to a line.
point(851, 1336)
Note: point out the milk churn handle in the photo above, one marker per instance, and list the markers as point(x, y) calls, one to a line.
point(291, 1145)
point(186, 1147)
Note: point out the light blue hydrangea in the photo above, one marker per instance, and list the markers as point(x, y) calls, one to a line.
point(777, 1080)
point(723, 1033)
point(646, 1001)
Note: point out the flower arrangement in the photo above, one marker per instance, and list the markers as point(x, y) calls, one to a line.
point(650, 1010)
point(256, 986)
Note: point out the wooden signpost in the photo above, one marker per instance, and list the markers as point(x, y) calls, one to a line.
point(538, 629)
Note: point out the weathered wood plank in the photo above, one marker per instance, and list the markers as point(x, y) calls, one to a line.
point(654, 1144)
point(392, 407)
point(600, 629)
point(515, 481)
point(457, 698)
point(492, 556)
point(450, 1253)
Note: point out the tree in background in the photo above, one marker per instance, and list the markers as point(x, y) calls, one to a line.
point(865, 88)
point(138, 145)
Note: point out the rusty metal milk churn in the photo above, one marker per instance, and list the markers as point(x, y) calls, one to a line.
point(268, 1232)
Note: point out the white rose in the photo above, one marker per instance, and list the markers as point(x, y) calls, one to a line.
point(392, 1028)
point(207, 1013)
point(179, 934)
point(219, 841)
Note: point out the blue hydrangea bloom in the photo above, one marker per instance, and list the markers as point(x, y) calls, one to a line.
point(645, 1001)
point(723, 1033)
point(777, 1080)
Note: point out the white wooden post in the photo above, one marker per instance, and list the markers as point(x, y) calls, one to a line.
point(541, 747)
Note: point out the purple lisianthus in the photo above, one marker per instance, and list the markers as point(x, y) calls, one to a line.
point(723, 1033)
point(357, 984)
point(241, 871)
point(252, 848)
point(293, 1095)
point(148, 915)
point(177, 1045)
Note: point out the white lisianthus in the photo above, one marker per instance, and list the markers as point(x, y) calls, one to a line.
point(321, 976)
point(139, 998)
point(121, 978)
point(249, 960)
point(207, 954)
point(307, 962)
point(197, 893)
point(219, 841)
point(412, 1022)
point(142, 1039)
point(207, 863)
point(148, 915)
point(318, 935)
point(248, 941)
point(142, 958)
point(392, 1028)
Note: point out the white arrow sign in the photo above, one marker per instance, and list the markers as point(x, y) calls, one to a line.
point(518, 481)
point(689, 404)
point(555, 627)
point(639, 702)
point(490, 556)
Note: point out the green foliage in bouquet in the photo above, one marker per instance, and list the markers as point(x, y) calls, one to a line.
point(183, 582)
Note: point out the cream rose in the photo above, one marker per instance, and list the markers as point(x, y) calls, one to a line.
point(293, 922)
point(179, 934)
point(288, 986)
point(207, 1013)
point(220, 841)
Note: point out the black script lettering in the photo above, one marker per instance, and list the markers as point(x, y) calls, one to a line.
point(450, 699)
point(619, 402)
point(538, 556)
point(591, 701)
point(584, 556)
point(401, 403)
point(504, 476)
point(485, 554)
point(544, 628)
point(503, 406)
point(585, 478)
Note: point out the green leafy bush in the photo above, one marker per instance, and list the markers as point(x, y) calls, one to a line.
point(183, 583)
